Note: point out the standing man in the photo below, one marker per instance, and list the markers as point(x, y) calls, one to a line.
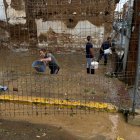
point(49, 60)
point(89, 55)
point(105, 45)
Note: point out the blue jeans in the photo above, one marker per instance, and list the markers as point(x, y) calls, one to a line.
point(90, 68)
point(89, 60)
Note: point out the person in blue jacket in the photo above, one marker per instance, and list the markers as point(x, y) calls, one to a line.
point(105, 45)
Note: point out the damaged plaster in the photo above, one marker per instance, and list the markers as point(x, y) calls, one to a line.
point(16, 16)
point(79, 33)
point(2, 11)
point(82, 29)
point(69, 21)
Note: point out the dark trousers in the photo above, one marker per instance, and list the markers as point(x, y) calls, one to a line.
point(54, 70)
point(105, 57)
point(90, 71)
point(119, 65)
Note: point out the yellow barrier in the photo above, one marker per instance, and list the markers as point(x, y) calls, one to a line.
point(52, 101)
point(118, 138)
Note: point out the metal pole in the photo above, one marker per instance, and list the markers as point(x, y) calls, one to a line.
point(128, 35)
point(137, 77)
point(122, 32)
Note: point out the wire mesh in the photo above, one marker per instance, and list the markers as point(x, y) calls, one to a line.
point(62, 27)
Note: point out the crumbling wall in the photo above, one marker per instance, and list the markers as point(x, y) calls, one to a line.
point(16, 21)
point(24, 18)
point(63, 17)
point(18, 5)
point(15, 16)
point(60, 34)
point(70, 12)
point(4, 35)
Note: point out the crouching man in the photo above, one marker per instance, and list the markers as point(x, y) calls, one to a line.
point(49, 60)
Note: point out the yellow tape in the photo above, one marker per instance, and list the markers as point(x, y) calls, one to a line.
point(51, 101)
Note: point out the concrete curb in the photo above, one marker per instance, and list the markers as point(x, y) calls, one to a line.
point(53, 101)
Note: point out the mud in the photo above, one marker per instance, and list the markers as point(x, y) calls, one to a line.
point(72, 82)
point(84, 126)
point(16, 130)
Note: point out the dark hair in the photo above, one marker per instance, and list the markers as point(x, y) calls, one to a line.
point(43, 49)
point(88, 38)
point(108, 38)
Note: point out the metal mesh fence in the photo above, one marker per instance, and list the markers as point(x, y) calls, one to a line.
point(70, 88)
point(63, 29)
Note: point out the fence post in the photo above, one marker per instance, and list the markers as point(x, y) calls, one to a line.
point(128, 33)
point(137, 77)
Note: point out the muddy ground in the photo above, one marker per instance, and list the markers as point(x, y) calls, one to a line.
point(72, 82)
point(21, 130)
point(89, 126)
